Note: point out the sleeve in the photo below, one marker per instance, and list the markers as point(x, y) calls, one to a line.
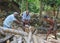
point(29, 17)
point(14, 18)
point(23, 16)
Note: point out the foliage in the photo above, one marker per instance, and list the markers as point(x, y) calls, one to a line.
point(52, 2)
point(34, 5)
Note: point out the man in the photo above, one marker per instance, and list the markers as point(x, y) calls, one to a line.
point(52, 27)
point(10, 19)
point(25, 18)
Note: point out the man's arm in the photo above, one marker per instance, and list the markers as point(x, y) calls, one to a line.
point(49, 20)
point(17, 21)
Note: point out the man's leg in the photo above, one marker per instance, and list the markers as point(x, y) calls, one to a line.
point(23, 27)
point(49, 32)
point(54, 32)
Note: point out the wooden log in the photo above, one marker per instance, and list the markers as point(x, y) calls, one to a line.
point(35, 32)
point(14, 40)
point(58, 33)
point(20, 39)
point(27, 30)
point(55, 41)
point(29, 37)
point(18, 32)
point(25, 38)
point(8, 41)
point(35, 39)
point(3, 40)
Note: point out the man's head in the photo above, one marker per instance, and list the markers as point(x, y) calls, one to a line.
point(16, 14)
point(27, 12)
point(46, 17)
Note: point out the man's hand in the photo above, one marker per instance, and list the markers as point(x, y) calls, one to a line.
point(27, 21)
point(17, 21)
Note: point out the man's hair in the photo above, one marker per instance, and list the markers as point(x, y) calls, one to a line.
point(46, 17)
point(15, 13)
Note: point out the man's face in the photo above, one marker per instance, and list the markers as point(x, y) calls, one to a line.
point(48, 18)
point(27, 13)
point(16, 15)
point(45, 19)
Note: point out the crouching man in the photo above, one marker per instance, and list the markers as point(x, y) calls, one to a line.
point(26, 18)
point(10, 19)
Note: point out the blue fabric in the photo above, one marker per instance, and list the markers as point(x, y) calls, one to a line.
point(6, 26)
point(9, 20)
point(25, 17)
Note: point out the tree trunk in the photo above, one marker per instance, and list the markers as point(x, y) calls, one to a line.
point(54, 11)
point(57, 13)
point(26, 4)
point(22, 6)
point(40, 8)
